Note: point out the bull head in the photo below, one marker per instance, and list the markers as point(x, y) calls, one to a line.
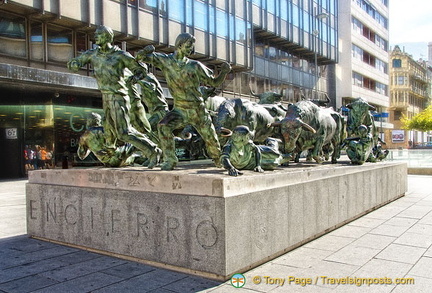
point(360, 100)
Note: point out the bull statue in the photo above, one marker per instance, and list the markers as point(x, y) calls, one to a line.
point(244, 112)
point(360, 115)
point(309, 127)
point(211, 99)
point(319, 102)
point(240, 153)
point(267, 97)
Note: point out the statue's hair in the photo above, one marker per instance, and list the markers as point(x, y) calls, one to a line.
point(94, 119)
point(107, 31)
point(183, 38)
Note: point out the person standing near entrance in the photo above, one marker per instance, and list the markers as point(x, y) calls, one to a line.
point(111, 67)
point(184, 76)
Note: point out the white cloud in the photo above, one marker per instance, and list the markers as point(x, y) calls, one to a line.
point(410, 21)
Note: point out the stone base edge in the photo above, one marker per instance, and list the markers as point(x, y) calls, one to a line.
point(139, 260)
point(212, 276)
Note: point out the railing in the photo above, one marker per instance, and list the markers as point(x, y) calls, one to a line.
point(414, 158)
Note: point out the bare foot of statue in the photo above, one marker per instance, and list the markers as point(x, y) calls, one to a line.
point(168, 166)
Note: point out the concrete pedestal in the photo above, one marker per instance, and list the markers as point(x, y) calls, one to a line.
point(197, 219)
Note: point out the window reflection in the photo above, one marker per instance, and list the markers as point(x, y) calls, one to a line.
point(240, 30)
point(189, 15)
point(176, 10)
point(12, 35)
point(148, 5)
point(200, 15)
point(60, 47)
point(36, 41)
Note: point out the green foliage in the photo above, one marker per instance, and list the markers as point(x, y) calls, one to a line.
point(422, 121)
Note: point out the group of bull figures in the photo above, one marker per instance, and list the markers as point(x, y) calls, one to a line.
point(259, 136)
point(253, 136)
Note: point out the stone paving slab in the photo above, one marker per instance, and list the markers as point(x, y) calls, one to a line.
point(394, 242)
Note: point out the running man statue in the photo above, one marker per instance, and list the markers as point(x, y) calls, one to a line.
point(184, 76)
point(112, 70)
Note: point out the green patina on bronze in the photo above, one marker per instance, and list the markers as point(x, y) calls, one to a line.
point(240, 153)
point(363, 143)
point(183, 77)
point(116, 72)
point(359, 148)
point(94, 140)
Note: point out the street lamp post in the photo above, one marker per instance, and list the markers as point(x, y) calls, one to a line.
point(316, 33)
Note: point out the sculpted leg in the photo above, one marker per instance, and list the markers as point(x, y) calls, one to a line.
point(125, 132)
point(173, 120)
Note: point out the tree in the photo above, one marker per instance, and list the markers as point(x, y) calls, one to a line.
point(421, 121)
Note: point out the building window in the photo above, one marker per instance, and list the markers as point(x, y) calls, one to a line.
point(60, 47)
point(176, 10)
point(12, 35)
point(397, 63)
point(357, 79)
point(295, 16)
point(189, 15)
point(221, 23)
point(284, 10)
point(200, 15)
point(148, 4)
point(36, 41)
point(271, 6)
point(397, 115)
point(240, 28)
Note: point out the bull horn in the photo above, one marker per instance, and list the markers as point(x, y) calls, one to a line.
point(328, 98)
point(252, 92)
point(274, 124)
point(307, 126)
point(188, 135)
point(372, 108)
point(349, 106)
point(227, 131)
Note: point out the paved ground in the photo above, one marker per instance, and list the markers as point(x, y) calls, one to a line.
point(392, 244)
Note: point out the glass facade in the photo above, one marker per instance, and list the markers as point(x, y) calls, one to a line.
point(40, 122)
point(271, 45)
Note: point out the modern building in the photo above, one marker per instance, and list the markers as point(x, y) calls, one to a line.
point(271, 45)
point(362, 70)
point(410, 85)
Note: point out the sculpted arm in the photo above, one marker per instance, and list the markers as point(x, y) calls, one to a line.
point(258, 167)
point(138, 69)
point(210, 79)
point(148, 55)
point(225, 159)
point(76, 63)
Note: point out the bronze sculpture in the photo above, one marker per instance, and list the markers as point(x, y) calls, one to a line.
point(240, 153)
point(94, 140)
point(359, 148)
point(183, 77)
point(110, 65)
point(307, 126)
point(360, 120)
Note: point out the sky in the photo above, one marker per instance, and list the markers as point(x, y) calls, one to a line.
point(411, 22)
